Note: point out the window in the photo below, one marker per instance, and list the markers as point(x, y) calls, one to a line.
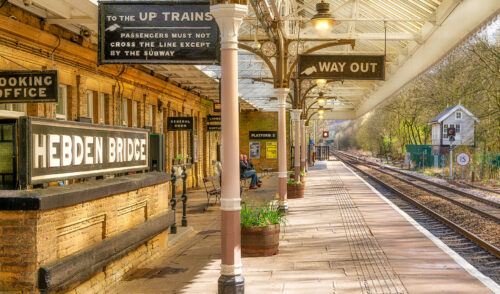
point(445, 131)
point(102, 96)
point(457, 128)
point(161, 120)
point(134, 114)
point(150, 116)
point(90, 104)
point(12, 110)
point(62, 98)
point(124, 112)
point(458, 115)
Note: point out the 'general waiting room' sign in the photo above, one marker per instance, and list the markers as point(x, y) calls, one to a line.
point(54, 150)
point(157, 32)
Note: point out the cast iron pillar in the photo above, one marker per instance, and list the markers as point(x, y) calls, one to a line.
point(295, 114)
point(229, 18)
point(281, 94)
point(184, 197)
point(303, 157)
point(173, 202)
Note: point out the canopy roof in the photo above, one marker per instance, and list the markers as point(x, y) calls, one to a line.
point(414, 35)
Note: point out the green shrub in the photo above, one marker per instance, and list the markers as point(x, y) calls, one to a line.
point(263, 215)
point(291, 181)
point(302, 173)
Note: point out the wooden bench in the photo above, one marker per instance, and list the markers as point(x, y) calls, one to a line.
point(213, 189)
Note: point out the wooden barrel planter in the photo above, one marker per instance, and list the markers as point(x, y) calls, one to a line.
point(260, 240)
point(295, 190)
point(303, 179)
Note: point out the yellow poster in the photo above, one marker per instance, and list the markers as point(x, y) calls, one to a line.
point(271, 150)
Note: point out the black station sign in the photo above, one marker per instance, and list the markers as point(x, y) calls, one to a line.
point(163, 32)
point(263, 135)
point(213, 118)
point(52, 150)
point(28, 86)
point(217, 107)
point(339, 67)
point(180, 123)
point(213, 128)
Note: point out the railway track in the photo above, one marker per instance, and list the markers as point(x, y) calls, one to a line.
point(474, 217)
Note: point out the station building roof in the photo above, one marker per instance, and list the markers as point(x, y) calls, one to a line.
point(414, 35)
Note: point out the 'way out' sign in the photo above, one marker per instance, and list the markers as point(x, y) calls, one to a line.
point(342, 67)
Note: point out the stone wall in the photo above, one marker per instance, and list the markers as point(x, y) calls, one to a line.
point(30, 239)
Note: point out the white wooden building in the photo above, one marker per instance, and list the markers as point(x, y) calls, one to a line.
point(453, 117)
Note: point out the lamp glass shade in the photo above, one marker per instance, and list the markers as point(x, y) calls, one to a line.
point(321, 111)
point(322, 26)
point(320, 83)
point(323, 20)
point(321, 101)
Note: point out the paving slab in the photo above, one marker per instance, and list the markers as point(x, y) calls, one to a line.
point(340, 238)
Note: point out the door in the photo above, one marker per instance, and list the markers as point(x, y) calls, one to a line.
point(8, 171)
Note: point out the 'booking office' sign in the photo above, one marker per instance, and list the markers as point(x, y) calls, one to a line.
point(57, 150)
point(28, 86)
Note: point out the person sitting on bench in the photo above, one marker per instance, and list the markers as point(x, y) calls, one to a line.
point(247, 170)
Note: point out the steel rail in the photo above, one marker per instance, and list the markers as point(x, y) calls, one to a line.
point(484, 244)
point(457, 202)
point(465, 194)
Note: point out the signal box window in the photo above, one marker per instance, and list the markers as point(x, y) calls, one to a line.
point(445, 131)
point(458, 115)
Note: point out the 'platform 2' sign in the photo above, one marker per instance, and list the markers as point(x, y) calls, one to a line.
point(340, 67)
point(263, 135)
point(157, 32)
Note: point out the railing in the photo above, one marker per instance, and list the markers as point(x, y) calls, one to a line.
point(322, 152)
point(173, 200)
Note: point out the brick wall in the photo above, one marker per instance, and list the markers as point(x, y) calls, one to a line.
point(31, 239)
point(258, 121)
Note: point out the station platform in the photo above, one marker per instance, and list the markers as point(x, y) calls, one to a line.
point(342, 237)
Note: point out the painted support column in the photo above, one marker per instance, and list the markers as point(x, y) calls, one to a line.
point(295, 113)
point(281, 94)
point(229, 18)
point(303, 157)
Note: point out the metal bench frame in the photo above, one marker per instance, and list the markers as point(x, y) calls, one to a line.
point(212, 188)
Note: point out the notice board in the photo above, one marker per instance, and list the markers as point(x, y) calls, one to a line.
point(271, 150)
point(164, 32)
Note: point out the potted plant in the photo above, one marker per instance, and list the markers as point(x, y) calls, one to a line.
point(260, 229)
point(178, 160)
point(295, 189)
point(302, 176)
